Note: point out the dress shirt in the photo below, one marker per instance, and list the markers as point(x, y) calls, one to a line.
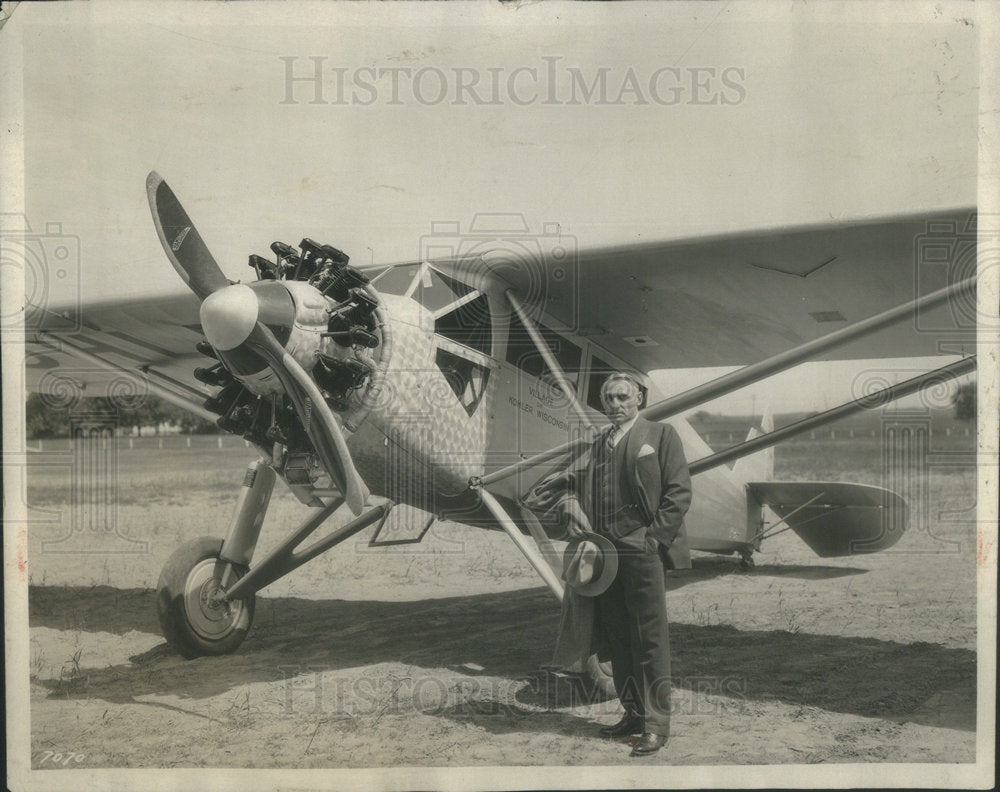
point(617, 433)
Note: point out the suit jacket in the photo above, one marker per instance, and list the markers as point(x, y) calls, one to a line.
point(655, 478)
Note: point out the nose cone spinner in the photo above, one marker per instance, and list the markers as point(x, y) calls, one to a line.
point(229, 315)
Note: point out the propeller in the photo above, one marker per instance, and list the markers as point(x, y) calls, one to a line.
point(181, 241)
point(236, 319)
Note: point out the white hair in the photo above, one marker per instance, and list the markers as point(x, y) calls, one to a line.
point(621, 376)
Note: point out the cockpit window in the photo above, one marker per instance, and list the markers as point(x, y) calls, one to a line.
point(424, 284)
point(396, 280)
point(469, 324)
point(522, 352)
point(435, 291)
point(467, 378)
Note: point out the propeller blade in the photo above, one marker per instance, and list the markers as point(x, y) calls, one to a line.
point(181, 241)
point(318, 420)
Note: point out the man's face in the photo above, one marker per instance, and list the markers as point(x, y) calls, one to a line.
point(621, 402)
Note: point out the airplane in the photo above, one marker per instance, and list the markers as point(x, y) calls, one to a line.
point(455, 383)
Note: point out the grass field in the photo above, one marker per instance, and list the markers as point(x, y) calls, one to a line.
point(860, 659)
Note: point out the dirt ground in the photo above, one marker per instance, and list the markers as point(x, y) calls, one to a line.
point(431, 655)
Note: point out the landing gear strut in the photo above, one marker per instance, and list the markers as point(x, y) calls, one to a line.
point(205, 595)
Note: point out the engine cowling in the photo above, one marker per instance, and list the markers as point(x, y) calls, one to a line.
point(324, 314)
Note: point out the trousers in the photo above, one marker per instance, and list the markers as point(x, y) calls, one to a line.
point(632, 618)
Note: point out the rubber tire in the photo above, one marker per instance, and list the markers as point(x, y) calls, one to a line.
point(172, 610)
point(598, 682)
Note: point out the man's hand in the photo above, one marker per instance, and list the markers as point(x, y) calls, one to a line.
point(547, 493)
point(576, 521)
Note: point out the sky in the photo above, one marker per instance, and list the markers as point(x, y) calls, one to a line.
point(714, 117)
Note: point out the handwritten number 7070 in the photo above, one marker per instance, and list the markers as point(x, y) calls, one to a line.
point(61, 758)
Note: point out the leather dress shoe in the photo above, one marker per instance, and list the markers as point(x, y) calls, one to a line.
point(649, 743)
point(629, 724)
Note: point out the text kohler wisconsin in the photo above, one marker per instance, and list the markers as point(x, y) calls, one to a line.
point(314, 80)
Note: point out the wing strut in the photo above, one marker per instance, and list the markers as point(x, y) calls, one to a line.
point(548, 357)
point(753, 372)
point(510, 528)
point(867, 402)
point(803, 352)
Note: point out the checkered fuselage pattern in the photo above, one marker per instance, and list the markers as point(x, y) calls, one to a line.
point(419, 442)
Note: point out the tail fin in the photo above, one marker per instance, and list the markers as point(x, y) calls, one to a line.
point(759, 466)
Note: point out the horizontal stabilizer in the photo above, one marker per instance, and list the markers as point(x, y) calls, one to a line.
point(835, 518)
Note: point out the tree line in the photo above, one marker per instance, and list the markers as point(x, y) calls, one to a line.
point(45, 417)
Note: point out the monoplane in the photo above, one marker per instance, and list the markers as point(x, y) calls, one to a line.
point(455, 382)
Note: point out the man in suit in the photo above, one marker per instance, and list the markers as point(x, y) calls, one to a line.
point(636, 490)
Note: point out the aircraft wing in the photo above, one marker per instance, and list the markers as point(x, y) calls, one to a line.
point(735, 299)
point(81, 350)
point(711, 301)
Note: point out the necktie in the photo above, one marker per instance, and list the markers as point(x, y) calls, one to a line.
point(609, 442)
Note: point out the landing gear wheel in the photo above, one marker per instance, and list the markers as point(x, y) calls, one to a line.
point(195, 619)
point(747, 563)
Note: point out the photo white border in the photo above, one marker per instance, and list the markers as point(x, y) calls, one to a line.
point(21, 777)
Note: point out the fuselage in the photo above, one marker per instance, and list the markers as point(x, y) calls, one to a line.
point(466, 393)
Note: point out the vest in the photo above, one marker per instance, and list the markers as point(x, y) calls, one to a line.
point(613, 516)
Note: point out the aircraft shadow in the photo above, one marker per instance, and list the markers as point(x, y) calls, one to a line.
point(710, 567)
point(510, 635)
point(121, 610)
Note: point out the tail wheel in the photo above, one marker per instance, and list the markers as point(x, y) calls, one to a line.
point(195, 619)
